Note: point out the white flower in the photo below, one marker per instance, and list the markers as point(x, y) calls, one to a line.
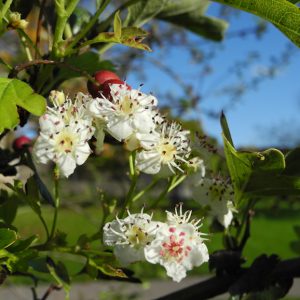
point(130, 236)
point(178, 248)
point(217, 194)
point(179, 217)
point(65, 132)
point(168, 146)
point(126, 113)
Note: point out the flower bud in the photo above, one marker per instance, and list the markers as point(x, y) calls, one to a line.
point(16, 22)
point(57, 98)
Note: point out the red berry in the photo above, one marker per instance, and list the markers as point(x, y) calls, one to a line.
point(104, 75)
point(21, 141)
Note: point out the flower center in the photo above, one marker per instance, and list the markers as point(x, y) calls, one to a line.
point(167, 151)
point(137, 236)
point(127, 106)
point(65, 142)
point(175, 248)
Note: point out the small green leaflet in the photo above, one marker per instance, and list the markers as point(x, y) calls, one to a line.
point(13, 93)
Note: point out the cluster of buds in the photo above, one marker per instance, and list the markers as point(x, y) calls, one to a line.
point(16, 21)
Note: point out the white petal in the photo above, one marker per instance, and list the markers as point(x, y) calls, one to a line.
point(143, 122)
point(120, 129)
point(127, 254)
point(66, 164)
point(175, 270)
point(82, 153)
point(148, 162)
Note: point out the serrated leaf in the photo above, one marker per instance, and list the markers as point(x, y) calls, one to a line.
point(7, 237)
point(13, 93)
point(117, 25)
point(283, 14)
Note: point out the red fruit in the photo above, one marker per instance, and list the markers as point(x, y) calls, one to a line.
point(101, 77)
point(104, 75)
point(21, 142)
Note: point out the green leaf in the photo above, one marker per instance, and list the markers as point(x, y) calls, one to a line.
point(13, 93)
point(21, 245)
point(293, 162)
point(8, 209)
point(131, 37)
point(7, 237)
point(282, 13)
point(190, 15)
point(259, 173)
point(225, 129)
point(89, 62)
point(173, 8)
point(105, 269)
point(117, 25)
point(143, 11)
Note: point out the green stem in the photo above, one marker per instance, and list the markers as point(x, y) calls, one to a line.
point(63, 14)
point(88, 26)
point(172, 184)
point(134, 177)
point(145, 190)
point(56, 202)
point(4, 9)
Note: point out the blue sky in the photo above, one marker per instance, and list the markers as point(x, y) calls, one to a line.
point(276, 103)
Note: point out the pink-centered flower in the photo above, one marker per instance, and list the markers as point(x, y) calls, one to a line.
point(178, 245)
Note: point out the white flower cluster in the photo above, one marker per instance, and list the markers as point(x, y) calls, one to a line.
point(128, 115)
point(132, 117)
point(217, 195)
point(177, 244)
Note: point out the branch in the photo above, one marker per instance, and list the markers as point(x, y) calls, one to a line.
point(220, 284)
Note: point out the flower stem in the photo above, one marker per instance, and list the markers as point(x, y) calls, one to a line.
point(89, 25)
point(56, 202)
point(172, 184)
point(134, 177)
point(145, 190)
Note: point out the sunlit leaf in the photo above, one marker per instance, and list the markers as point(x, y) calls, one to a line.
point(13, 93)
point(282, 13)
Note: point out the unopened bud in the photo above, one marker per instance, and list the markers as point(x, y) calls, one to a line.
point(16, 22)
point(57, 98)
point(195, 165)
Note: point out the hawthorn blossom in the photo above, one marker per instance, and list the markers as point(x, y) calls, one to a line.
point(130, 236)
point(126, 113)
point(65, 130)
point(178, 245)
point(167, 146)
point(217, 195)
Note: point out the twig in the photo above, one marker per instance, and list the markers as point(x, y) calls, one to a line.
point(51, 288)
